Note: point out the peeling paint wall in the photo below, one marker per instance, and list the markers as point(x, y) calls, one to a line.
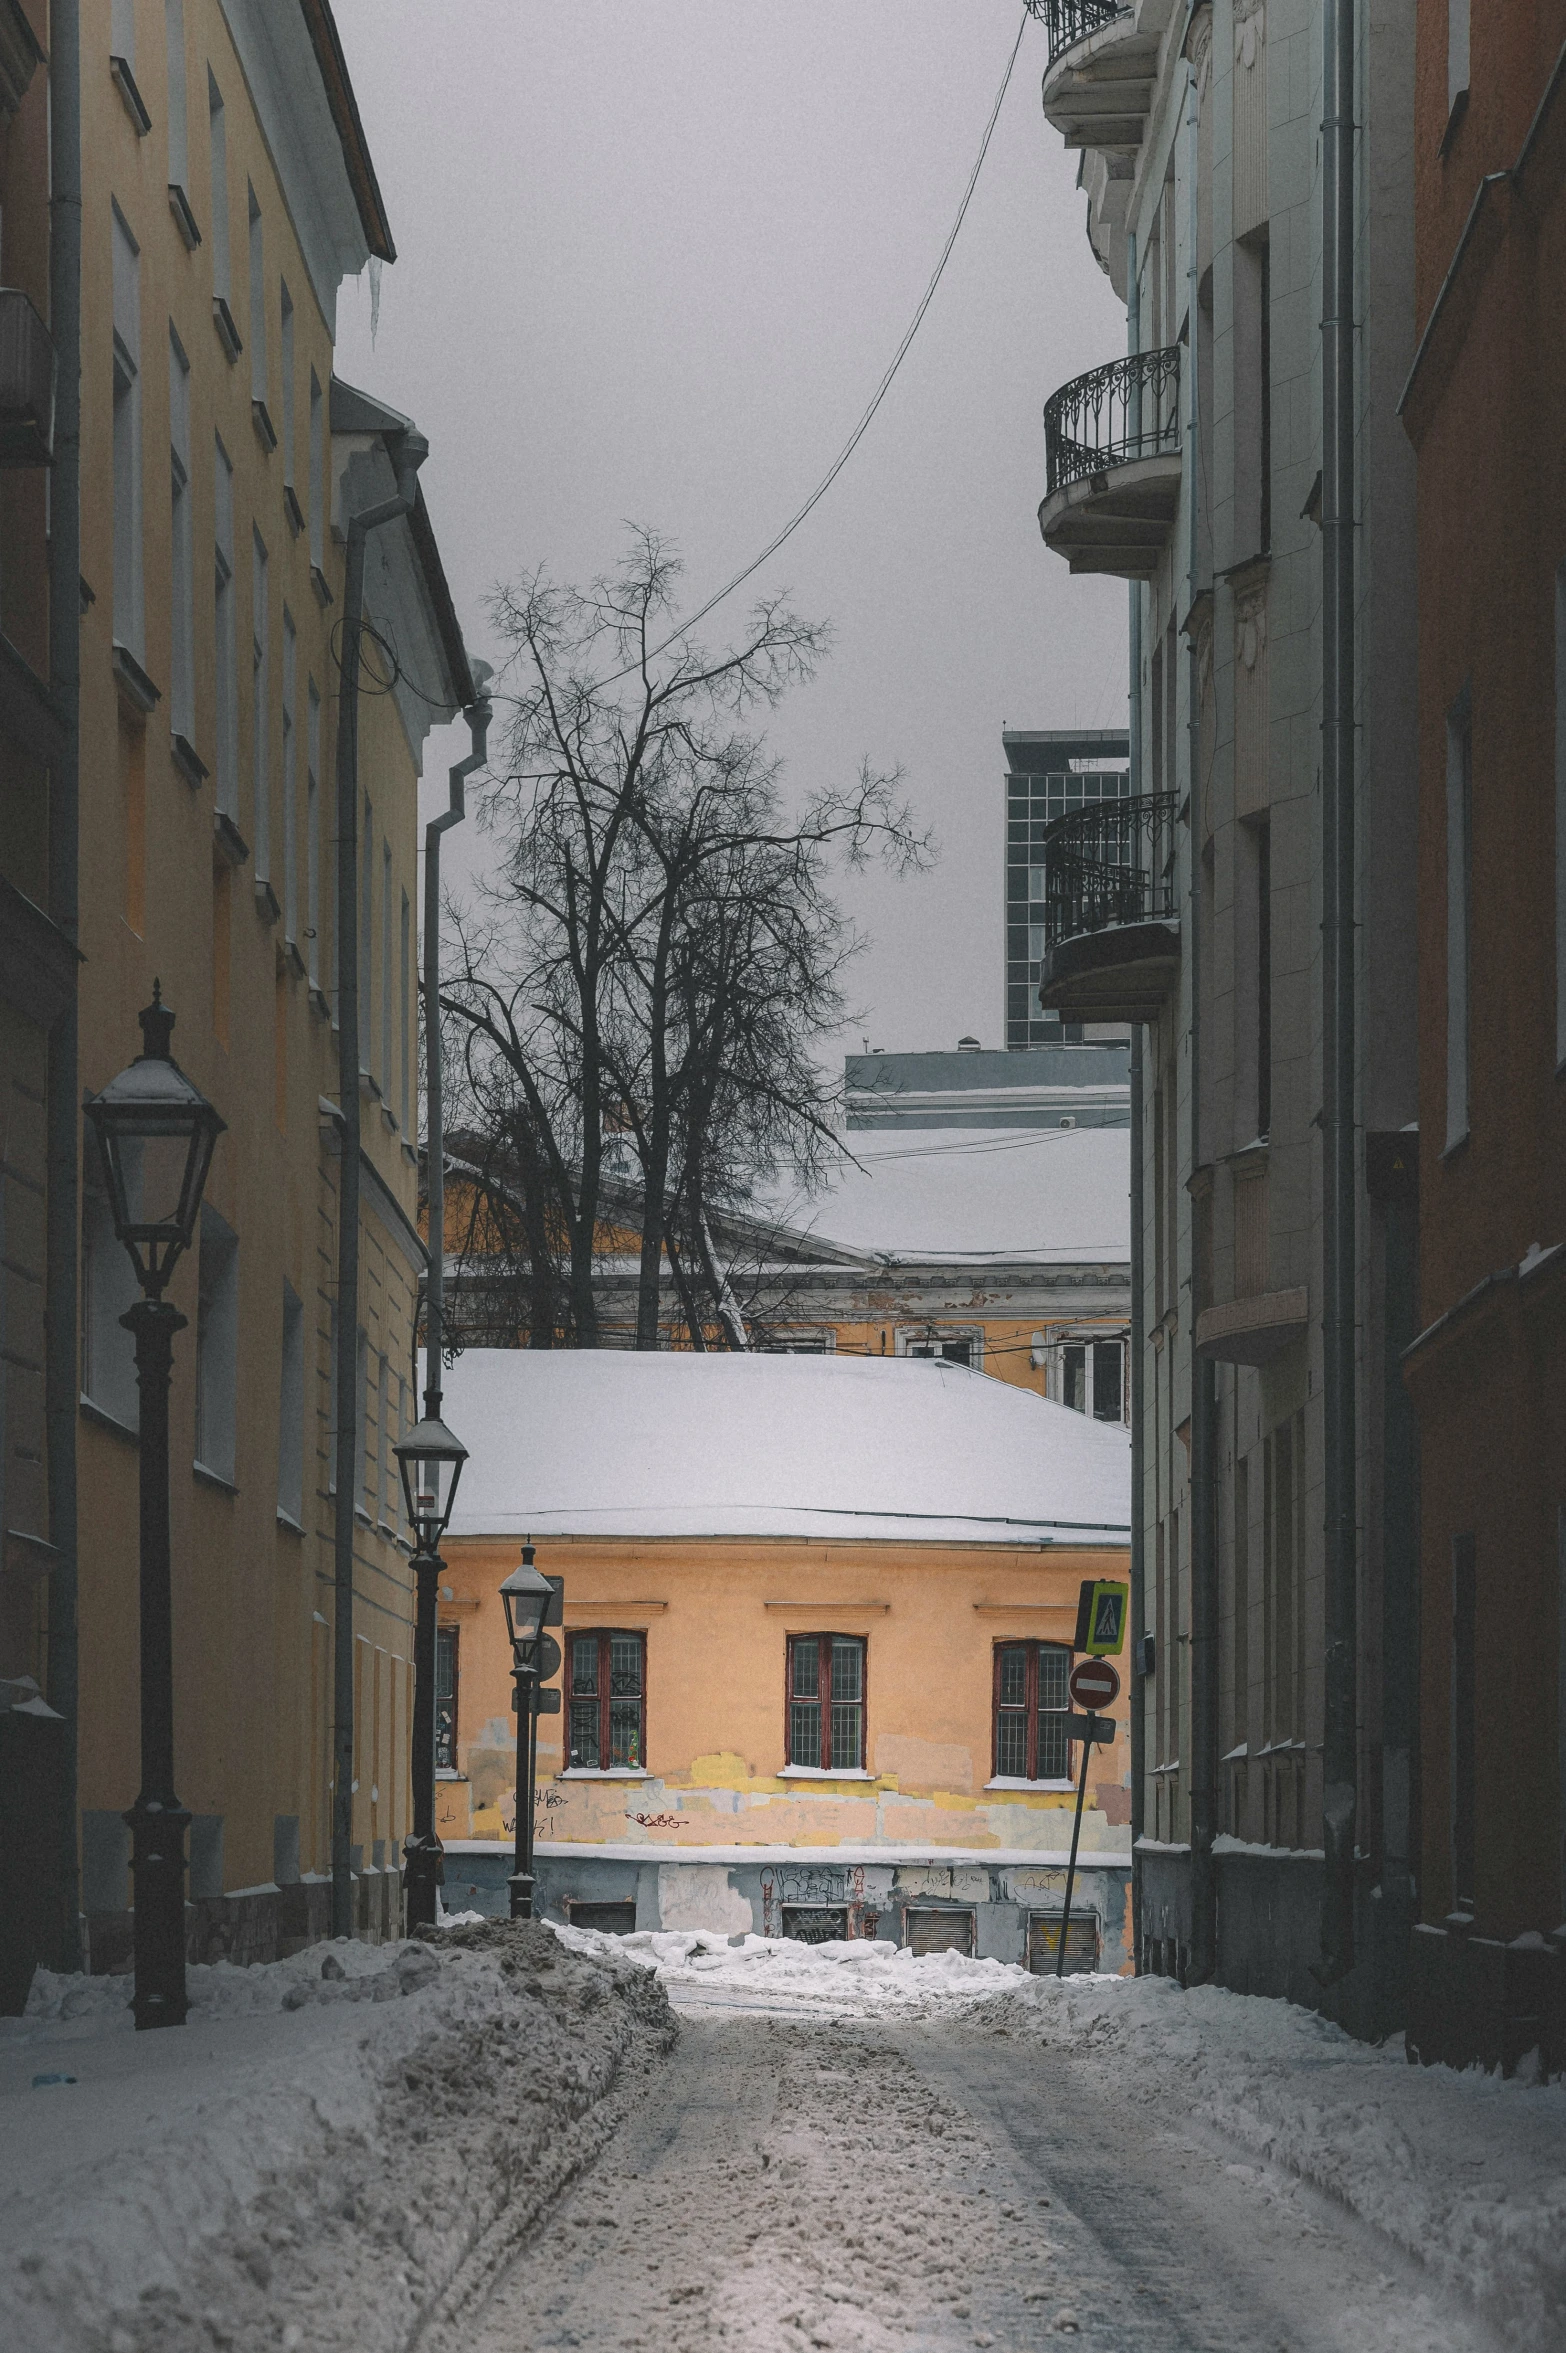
point(716, 1615)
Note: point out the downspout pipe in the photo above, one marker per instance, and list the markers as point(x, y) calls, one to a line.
point(62, 1116)
point(407, 456)
point(1340, 1728)
point(1203, 1959)
point(477, 715)
point(1137, 1691)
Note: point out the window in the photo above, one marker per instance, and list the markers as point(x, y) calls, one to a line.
point(109, 1287)
point(257, 312)
point(290, 1412)
point(366, 936)
point(286, 412)
point(385, 1467)
point(1464, 1724)
point(826, 1702)
point(1031, 1709)
point(1263, 832)
point(1457, 32)
point(953, 1347)
point(1560, 818)
point(446, 1699)
point(290, 781)
point(217, 1345)
point(1459, 865)
point(1092, 1378)
point(608, 1702)
point(129, 624)
point(313, 836)
point(317, 472)
point(182, 574)
point(405, 1090)
point(225, 655)
point(260, 682)
point(221, 281)
point(386, 971)
point(179, 129)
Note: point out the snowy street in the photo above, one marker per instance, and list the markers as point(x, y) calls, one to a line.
point(498, 2143)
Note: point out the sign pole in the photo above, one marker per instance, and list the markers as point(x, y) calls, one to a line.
point(1076, 1833)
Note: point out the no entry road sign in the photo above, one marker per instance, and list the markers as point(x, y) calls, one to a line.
point(1094, 1684)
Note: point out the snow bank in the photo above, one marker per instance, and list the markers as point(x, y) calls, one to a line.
point(335, 2150)
point(1464, 2171)
point(846, 1980)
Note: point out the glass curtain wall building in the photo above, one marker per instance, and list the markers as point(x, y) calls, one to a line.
point(1049, 773)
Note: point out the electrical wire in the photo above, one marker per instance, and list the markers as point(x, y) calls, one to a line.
point(881, 390)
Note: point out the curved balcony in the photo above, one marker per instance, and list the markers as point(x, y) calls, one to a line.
point(1103, 60)
point(1111, 924)
point(1112, 456)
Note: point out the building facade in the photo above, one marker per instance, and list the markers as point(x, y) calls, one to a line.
point(1487, 1372)
point(226, 190)
point(1049, 774)
point(817, 1626)
point(1249, 907)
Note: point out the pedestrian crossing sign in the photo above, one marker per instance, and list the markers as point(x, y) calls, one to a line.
point(1101, 1617)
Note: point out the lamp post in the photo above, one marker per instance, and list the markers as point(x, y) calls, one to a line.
point(526, 1595)
point(430, 1460)
point(156, 1134)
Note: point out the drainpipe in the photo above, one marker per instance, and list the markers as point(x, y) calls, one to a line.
point(407, 457)
point(62, 1214)
point(477, 716)
point(1340, 1664)
point(1136, 1692)
point(1204, 1531)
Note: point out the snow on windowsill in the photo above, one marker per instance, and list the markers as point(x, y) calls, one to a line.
point(1010, 1781)
point(820, 1773)
point(603, 1773)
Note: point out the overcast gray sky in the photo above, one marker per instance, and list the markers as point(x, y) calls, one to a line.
point(653, 260)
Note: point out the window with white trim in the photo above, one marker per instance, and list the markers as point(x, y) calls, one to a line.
point(290, 1412)
point(608, 1701)
point(217, 1345)
point(261, 689)
point(225, 642)
point(129, 608)
point(826, 1702)
point(182, 561)
point(1032, 1711)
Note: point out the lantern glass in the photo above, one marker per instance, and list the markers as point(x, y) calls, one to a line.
point(430, 1459)
point(156, 1133)
point(525, 1595)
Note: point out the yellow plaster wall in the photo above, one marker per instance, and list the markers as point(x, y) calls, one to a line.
point(716, 1640)
point(252, 1596)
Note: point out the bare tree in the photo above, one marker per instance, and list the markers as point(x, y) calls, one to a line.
point(658, 950)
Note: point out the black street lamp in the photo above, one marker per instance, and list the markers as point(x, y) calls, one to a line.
point(431, 1461)
point(156, 1134)
point(527, 1596)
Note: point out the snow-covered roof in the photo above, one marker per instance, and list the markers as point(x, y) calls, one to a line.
point(977, 1195)
point(606, 1442)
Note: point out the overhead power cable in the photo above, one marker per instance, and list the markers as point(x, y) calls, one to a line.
point(881, 390)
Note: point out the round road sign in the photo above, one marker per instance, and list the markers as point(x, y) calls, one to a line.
point(1094, 1684)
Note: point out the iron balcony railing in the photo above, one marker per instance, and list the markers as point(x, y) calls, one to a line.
point(1071, 21)
point(1112, 415)
point(1111, 863)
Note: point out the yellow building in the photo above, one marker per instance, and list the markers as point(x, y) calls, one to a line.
point(227, 190)
point(818, 1618)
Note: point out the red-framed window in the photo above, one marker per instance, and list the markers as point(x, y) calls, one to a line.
point(608, 1700)
point(826, 1701)
point(1031, 1708)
